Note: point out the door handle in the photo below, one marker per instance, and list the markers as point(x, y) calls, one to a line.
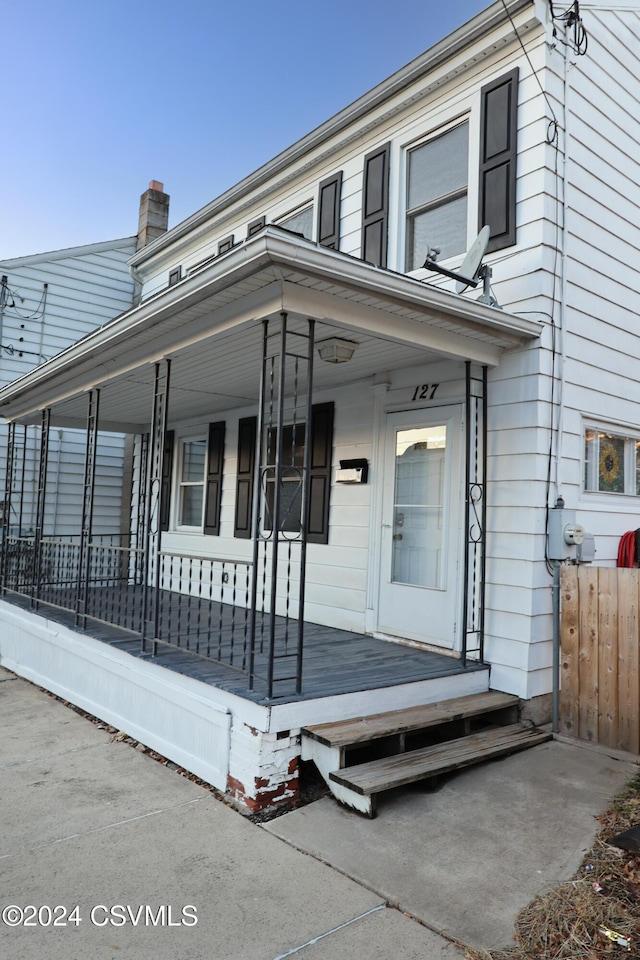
point(397, 536)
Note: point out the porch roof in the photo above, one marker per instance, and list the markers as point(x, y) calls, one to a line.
point(207, 323)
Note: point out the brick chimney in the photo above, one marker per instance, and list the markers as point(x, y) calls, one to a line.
point(154, 214)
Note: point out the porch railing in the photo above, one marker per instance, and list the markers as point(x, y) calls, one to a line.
point(203, 602)
point(204, 606)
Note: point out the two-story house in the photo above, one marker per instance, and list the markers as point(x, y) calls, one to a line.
point(344, 461)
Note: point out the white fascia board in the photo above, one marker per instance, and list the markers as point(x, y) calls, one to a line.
point(89, 357)
point(66, 253)
point(610, 5)
point(400, 288)
point(470, 32)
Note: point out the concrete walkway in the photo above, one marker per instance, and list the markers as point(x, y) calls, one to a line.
point(90, 822)
point(467, 858)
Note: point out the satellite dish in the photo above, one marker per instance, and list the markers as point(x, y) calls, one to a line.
point(472, 262)
point(472, 270)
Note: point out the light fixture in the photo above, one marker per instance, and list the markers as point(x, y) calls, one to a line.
point(335, 350)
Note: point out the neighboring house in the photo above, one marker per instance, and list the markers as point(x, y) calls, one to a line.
point(302, 365)
point(49, 301)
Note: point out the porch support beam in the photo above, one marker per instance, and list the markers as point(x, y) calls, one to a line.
point(475, 517)
point(88, 488)
point(388, 326)
point(306, 499)
point(152, 561)
point(6, 513)
point(80, 423)
point(40, 508)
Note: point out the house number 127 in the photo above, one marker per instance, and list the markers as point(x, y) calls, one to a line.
point(426, 391)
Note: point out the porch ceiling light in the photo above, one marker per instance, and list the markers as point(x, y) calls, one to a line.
point(335, 350)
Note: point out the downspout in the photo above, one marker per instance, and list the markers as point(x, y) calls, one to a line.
point(562, 327)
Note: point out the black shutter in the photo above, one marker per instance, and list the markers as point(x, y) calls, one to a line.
point(320, 472)
point(247, 430)
point(375, 206)
point(165, 488)
point(225, 245)
point(329, 211)
point(255, 226)
point(498, 155)
point(213, 482)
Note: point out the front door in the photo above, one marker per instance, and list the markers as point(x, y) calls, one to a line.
point(420, 542)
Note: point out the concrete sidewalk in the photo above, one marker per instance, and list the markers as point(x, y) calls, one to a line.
point(90, 822)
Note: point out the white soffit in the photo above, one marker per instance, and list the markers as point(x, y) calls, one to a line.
point(272, 272)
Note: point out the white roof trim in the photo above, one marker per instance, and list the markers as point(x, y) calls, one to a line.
point(486, 21)
point(67, 253)
point(271, 248)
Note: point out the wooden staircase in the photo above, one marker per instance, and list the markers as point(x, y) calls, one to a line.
point(361, 758)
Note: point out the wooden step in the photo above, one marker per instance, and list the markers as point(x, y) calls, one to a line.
point(347, 733)
point(358, 785)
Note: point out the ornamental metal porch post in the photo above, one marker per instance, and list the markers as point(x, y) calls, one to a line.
point(36, 575)
point(475, 517)
point(275, 523)
point(8, 487)
point(152, 559)
point(88, 489)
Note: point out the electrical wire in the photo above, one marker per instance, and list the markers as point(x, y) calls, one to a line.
point(38, 312)
point(553, 138)
point(570, 17)
point(11, 350)
point(552, 126)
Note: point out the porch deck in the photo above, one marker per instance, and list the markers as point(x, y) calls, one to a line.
point(335, 661)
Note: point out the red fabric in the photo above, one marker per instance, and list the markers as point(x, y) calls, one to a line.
point(627, 549)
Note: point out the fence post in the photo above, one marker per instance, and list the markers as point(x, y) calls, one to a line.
point(556, 647)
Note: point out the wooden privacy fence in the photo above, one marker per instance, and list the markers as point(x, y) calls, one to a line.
point(599, 629)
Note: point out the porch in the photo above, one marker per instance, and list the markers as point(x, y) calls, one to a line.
point(243, 590)
point(210, 639)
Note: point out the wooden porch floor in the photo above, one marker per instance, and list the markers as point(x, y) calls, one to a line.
point(334, 661)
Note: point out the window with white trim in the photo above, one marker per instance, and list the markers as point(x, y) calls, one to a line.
point(193, 454)
point(437, 187)
point(611, 461)
point(300, 221)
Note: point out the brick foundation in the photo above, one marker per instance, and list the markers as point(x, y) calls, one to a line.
point(263, 768)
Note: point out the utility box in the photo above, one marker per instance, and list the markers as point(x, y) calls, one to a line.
point(586, 551)
point(564, 533)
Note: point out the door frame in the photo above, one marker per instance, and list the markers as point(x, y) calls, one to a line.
point(456, 538)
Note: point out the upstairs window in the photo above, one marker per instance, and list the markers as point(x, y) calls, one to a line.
point(437, 183)
point(611, 462)
point(301, 221)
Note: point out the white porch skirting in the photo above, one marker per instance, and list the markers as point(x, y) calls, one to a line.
point(247, 750)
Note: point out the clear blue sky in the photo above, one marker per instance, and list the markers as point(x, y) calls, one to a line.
point(100, 98)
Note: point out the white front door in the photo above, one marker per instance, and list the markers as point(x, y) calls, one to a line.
point(421, 542)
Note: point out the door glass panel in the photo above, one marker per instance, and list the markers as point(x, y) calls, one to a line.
point(418, 507)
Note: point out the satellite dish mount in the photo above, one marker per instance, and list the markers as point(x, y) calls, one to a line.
point(472, 269)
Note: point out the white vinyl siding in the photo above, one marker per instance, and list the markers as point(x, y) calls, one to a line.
point(85, 287)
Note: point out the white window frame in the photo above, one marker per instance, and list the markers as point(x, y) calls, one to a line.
point(467, 112)
point(301, 208)
point(179, 484)
point(591, 469)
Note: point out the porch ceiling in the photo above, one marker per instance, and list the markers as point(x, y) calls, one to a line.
point(210, 325)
